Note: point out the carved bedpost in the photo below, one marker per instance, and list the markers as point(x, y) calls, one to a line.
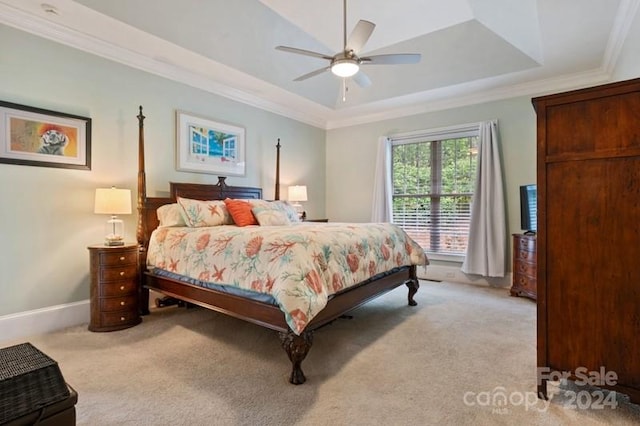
point(221, 185)
point(413, 284)
point(297, 348)
point(141, 232)
point(277, 191)
point(142, 184)
point(221, 182)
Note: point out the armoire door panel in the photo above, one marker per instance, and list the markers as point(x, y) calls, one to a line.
point(588, 168)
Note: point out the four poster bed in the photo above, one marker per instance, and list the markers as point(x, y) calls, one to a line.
point(293, 302)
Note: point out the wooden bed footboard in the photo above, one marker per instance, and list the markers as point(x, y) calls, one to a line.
point(270, 316)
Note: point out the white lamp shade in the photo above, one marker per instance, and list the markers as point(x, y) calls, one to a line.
point(298, 193)
point(112, 201)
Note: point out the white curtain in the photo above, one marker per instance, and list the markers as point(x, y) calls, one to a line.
point(486, 251)
point(381, 208)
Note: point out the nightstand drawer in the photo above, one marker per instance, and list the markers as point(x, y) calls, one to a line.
point(109, 304)
point(126, 272)
point(119, 288)
point(129, 257)
point(114, 319)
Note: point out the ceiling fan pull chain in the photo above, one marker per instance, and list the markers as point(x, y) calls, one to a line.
point(344, 90)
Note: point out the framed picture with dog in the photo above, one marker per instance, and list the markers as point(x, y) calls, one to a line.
point(39, 137)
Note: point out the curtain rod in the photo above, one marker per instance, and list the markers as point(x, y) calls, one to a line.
point(458, 128)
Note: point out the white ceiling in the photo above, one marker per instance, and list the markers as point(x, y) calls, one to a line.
point(472, 50)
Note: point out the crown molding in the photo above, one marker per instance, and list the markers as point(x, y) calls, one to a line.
point(237, 86)
point(470, 94)
point(624, 19)
point(288, 104)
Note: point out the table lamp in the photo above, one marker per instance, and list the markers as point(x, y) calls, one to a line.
point(298, 193)
point(113, 201)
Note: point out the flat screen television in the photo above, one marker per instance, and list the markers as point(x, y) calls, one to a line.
point(529, 208)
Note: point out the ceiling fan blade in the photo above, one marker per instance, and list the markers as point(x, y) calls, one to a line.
point(359, 36)
point(312, 74)
point(362, 79)
point(303, 52)
point(392, 59)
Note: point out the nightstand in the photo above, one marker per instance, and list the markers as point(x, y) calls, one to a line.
point(114, 287)
point(316, 220)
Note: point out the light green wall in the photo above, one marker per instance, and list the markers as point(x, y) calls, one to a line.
point(351, 154)
point(351, 151)
point(47, 220)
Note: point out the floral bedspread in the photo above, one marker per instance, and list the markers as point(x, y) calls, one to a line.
point(299, 265)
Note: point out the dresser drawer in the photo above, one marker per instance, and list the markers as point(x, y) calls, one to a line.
point(114, 319)
point(525, 283)
point(109, 304)
point(129, 257)
point(126, 272)
point(525, 268)
point(527, 256)
point(526, 244)
point(119, 288)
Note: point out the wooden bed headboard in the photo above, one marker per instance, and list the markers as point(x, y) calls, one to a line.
point(147, 206)
point(219, 191)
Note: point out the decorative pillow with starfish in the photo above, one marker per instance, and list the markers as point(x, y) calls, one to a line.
point(197, 213)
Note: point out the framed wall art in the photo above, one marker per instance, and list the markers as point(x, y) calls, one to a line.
point(39, 137)
point(206, 146)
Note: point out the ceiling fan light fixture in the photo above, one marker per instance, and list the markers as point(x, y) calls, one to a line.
point(345, 67)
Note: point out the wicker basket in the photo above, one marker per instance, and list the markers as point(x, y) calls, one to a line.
point(29, 380)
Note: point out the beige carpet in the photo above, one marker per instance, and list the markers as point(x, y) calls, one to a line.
point(442, 362)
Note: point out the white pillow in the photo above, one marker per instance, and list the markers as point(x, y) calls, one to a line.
point(288, 209)
point(270, 216)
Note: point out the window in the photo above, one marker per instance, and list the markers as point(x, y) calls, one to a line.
point(433, 178)
point(229, 147)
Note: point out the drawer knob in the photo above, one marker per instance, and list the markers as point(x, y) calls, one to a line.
point(122, 257)
point(122, 273)
point(121, 303)
point(122, 318)
point(121, 287)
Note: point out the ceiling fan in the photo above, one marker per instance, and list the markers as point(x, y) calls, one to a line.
point(347, 63)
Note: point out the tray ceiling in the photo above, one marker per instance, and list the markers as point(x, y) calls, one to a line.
point(472, 50)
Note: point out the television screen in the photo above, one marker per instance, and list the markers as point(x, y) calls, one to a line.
point(528, 208)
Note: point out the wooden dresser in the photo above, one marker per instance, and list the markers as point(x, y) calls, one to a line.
point(114, 287)
point(524, 266)
point(588, 175)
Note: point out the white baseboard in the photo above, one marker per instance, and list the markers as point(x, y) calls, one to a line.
point(454, 274)
point(40, 321)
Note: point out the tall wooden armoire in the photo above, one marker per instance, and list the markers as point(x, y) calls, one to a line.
point(588, 167)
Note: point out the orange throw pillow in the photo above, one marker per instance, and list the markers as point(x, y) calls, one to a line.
point(240, 211)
